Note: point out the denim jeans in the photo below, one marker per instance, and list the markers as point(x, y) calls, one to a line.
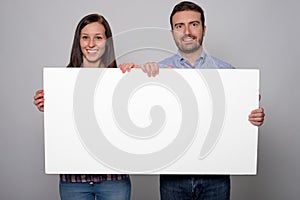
point(196, 187)
point(105, 190)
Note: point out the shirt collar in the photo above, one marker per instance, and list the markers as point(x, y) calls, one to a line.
point(184, 63)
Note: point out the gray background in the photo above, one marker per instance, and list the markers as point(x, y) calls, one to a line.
point(261, 34)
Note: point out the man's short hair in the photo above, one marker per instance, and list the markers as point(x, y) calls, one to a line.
point(186, 6)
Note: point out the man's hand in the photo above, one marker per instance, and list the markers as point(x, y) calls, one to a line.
point(257, 117)
point(151, 68)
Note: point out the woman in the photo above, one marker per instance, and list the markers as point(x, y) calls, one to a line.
point(92, 48)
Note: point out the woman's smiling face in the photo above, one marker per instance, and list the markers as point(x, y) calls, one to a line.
point(92, 44)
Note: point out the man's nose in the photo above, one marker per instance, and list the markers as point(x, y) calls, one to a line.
point(187, 30)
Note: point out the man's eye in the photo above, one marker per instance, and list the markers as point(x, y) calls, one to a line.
point(195, 24)
point(178, 26)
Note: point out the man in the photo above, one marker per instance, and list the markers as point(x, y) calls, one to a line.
point(188, 29)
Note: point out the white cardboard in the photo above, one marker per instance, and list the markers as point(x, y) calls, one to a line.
point(100, 121)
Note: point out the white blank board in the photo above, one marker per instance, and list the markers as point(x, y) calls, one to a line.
point(183, 121)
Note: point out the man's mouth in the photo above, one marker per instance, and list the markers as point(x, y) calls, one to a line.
point(188, 38)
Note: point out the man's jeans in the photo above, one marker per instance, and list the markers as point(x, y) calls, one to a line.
point(105, 190)
point(195, 187)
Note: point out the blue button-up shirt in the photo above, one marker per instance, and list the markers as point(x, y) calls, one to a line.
point(205, 61)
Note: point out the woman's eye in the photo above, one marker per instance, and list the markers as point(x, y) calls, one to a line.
point(84, 37)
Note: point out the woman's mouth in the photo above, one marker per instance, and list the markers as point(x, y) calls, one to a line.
point(92, 50)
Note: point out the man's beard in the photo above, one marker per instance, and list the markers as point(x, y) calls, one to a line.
point(190, 48)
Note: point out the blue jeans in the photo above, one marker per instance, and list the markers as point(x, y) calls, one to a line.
point(105, 190)
point(195, 187)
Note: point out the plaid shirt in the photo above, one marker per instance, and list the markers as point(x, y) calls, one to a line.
point(82, 178)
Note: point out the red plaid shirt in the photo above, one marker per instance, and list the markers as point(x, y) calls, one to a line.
point(82, 178)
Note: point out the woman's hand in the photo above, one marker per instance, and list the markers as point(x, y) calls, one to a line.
point(39, 100)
